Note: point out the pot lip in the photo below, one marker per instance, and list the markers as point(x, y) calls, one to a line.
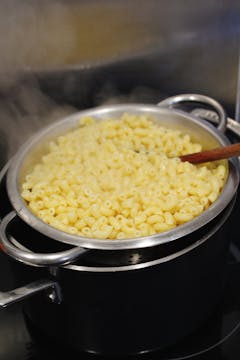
point(141, 242)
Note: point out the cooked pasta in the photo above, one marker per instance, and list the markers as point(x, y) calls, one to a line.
point(121, 178)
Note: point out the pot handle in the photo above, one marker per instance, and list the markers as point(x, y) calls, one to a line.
point(20, 253)
point(199, 99)
point(11, 297)
point(212, 116)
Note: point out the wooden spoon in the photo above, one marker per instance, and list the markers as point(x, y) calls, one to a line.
point(213, 154)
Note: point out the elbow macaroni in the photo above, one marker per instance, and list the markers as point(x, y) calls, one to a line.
point(121, 179)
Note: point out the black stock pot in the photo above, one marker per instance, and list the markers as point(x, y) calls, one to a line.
point(123, 296)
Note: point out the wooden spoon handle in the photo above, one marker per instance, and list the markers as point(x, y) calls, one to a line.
point(212, 155)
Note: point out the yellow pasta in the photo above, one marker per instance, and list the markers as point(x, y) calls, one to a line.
point(121, 178)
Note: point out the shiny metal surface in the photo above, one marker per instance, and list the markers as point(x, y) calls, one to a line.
point(232, 125)
point(158, 261)
point(19, 294)
point(31, 152)
point(20, 254)
point(196, 98)
point(122, 28)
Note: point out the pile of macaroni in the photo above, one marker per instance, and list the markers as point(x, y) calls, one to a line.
point(121, 178)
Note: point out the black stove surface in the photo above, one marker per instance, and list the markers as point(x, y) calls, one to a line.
point(219, 338)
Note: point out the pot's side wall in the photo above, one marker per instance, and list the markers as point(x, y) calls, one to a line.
point(129, 312)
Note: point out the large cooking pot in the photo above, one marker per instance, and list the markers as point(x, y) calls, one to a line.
point(123, 296)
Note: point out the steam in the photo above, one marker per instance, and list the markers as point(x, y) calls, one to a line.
point(25, 109)
point(39, 37)
point(109, 94)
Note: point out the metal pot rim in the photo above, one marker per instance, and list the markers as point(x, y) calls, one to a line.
point(26, 215)
point(151, 263)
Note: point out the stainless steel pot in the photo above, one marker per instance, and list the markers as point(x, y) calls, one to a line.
point(172, 280)
point(32, 151)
